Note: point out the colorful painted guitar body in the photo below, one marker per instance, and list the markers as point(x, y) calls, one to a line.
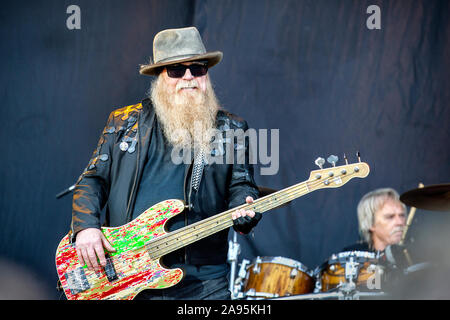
point(135, 265)
point(130, 269)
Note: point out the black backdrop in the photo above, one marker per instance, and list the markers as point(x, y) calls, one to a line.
point(311, 69)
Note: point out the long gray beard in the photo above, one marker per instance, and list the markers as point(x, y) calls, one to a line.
point(187, 118)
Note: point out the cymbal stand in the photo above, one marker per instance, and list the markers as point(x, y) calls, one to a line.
point(234, 249)
point(239, 282)
point(351, 275)
point(405, 230)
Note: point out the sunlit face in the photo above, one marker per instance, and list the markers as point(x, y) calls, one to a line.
point(187, 83)
point(388, 225)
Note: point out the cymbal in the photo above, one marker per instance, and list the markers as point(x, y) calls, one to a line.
point(435, 197)
point(265, 191)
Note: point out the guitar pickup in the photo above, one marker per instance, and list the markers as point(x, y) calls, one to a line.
point(77, 281)
point(110, 271)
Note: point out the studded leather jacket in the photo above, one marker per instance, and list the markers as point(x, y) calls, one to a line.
point(112, 177)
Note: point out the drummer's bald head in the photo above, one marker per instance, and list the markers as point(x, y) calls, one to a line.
point(371, 203)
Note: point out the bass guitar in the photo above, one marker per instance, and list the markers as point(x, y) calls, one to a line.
point(141, 243)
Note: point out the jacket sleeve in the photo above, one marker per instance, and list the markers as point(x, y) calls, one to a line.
point(92, 188)
point(242, 183)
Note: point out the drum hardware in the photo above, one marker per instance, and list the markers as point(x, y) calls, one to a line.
point(356, 295)
point(374, 268)
point(279, 278)
point(293, 273)
point(239, 282)
point(234, 249)
point(256, 267)
point(417, 267)
point(345, 271)
point(253, 295)
point(318, 283)
point(313, 296)
point(351, 275)
point(351, 270)
point(243, 270)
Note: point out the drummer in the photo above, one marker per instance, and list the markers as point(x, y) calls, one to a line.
point(381, 220)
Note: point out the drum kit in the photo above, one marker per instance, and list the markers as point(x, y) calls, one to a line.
point(348, 275)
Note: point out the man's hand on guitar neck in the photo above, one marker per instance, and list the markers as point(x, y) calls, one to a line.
point(243, 219)
point(242, 213)
point(90, 243)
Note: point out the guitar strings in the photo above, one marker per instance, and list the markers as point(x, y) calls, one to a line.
point(292, 194)
point(205, 228)
point(213, 224)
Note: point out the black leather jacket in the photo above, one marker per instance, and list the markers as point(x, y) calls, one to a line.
point(115, 169)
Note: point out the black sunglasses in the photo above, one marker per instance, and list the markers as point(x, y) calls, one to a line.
point(178, 70)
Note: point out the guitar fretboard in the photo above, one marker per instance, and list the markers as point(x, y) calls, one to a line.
point(325, 178)
point(202, 229)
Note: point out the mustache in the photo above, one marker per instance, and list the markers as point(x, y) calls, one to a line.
point(397, 229)
point(182, 84)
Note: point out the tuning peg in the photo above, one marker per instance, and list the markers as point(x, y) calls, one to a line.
point(359, 156)
point(345, 158)
point(332, 160)
point(320, 162)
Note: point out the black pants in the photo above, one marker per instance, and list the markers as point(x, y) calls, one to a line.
point(216, 289)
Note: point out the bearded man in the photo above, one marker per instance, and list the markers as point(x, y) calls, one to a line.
point(133, 168)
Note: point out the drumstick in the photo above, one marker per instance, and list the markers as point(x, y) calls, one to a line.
point(408, 257)
point(409, 220)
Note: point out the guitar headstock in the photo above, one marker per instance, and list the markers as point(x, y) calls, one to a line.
point(336, 176)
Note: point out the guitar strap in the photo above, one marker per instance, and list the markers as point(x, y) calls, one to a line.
point(197, 171)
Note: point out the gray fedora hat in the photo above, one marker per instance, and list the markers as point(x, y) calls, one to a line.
point(173, 46)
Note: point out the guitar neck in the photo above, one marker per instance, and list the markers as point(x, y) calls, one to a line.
point(202, 229)
point(334, 177)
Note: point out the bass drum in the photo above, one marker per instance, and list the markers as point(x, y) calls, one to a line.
point(271, 277)
point(350, 270)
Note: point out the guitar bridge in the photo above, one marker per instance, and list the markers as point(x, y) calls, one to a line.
point(77, 281)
